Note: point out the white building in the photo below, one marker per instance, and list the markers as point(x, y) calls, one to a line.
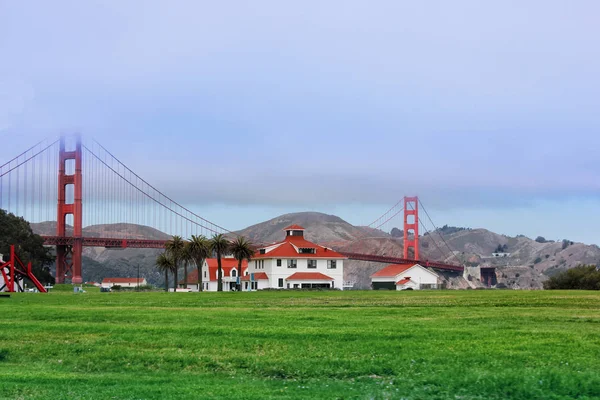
point(404, 276)
point(229, 267)
point(123, 282)
point(295, 263)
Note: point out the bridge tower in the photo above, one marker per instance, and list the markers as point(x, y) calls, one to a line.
point(411, 240)
point(68, 257)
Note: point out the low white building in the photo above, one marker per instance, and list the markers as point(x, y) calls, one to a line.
point(229, 267)
point(296, 263)
point(404, 276)
point(123, 282)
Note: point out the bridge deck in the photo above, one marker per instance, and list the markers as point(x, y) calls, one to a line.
point(160, 244)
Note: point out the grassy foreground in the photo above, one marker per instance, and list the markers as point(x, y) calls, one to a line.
point(408, 345)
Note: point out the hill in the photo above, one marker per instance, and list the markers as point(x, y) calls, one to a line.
point(99, 262)
point(320, 228)
point(526, 265)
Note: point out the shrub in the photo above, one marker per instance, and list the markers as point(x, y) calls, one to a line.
point(584, 277)
point(541, 239)
point(116, 287)
point(537, 260)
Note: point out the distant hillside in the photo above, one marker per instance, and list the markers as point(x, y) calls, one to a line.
point(99, 262)
point(527, 264)
point(133, 231)
point(320, 228)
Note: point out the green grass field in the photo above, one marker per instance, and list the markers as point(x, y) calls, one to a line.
point(363, 345)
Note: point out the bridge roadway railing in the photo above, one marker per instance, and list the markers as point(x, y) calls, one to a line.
point(397, 260)
point(160, 244)
point(105, 242)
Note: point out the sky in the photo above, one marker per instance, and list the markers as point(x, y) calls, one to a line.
point(244, 110)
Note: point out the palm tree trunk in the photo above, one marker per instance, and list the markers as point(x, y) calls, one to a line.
point(219, 273)
point(185, 282)
point(166, 280)
point(200, 284)
point(239, 286)
point(175, 281)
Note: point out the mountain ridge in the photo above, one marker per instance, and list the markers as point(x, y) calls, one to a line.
point(526, 266)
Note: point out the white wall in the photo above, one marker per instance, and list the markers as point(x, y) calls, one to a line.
point(407, 285)
point(419, 275)
point(275, 273)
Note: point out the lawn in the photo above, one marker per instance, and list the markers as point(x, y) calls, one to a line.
point(350, 345)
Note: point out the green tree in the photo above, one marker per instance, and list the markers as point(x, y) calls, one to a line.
point(165, 264)
point(28, 246)
point(241, 250)
point(176, 250)
point(198, 248)
point(219, 244)
point(583, 277)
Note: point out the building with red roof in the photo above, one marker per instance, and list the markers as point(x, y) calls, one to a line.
point(404, 276)
point(295, 263)
point(229, 268)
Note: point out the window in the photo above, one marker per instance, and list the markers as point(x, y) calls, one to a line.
point(255, 264)
point(262, 264)
point(233, 273)
point(246, 285)
point(296, 286)
point(312, 263)
point(292, 263)
point(205, 274)
point(279, 263)
point(255, 285)
point(280, 282)
point(331, 264)
point(306, 250)
point(262, 251)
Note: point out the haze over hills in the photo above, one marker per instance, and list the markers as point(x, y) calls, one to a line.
point(527, 264)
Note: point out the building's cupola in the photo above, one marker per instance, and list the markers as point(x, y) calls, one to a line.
point(294, 230)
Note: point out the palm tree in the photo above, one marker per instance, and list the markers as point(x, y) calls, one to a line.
point(241, 249)
point(199, 250)
point(164, 263)
point(175, 249)
point(219, 244)
point(186, 258)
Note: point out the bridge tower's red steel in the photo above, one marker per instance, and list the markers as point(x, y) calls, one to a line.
point(411, 241)
point(68, 257)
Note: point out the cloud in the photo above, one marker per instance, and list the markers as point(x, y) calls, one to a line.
point(272, 103)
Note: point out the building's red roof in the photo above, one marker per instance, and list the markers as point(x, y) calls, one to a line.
point(289, 249)
point(392, 270)
point(257, 276)
point(123, 280)
point(227, 264)
point(403, 281)
point(308, 276)
point(294, 228)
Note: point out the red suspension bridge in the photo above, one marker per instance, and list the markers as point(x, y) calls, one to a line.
point(82, 185)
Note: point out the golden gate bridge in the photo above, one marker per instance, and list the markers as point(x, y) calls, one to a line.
point(77, 184)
